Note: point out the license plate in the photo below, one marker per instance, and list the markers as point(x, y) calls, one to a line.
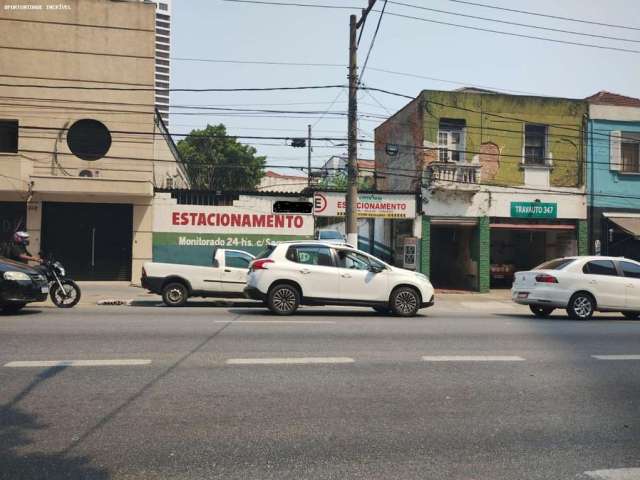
point(44, 289)
point(523, 294)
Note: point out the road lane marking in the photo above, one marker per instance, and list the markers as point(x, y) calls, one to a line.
point(288, 361)
point(258, 322)
point(615, 474)
point(473, 358)
point(79, 363)
point(616, 357)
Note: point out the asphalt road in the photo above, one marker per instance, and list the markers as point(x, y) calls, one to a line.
point(466, 391)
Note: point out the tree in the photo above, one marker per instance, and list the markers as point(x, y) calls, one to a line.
point(218, 162)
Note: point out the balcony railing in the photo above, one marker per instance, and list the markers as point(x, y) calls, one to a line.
point(453, 175)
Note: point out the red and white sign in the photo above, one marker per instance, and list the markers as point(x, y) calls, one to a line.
point(369, 205)
point(213, 219)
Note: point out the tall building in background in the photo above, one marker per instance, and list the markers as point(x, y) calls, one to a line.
point(163, 48)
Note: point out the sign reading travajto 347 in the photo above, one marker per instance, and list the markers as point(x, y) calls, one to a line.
point(369, 205)
point(534, 210)
point(189, 233)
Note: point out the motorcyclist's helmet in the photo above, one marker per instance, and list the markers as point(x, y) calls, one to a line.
point(21, 238)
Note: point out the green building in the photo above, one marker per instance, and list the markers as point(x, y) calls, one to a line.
point(501, 179)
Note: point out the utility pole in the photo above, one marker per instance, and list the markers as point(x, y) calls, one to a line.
point(309, 155)
point(351, 212)
point(352, 140)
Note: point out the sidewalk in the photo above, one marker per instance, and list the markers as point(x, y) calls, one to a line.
point(124, 293)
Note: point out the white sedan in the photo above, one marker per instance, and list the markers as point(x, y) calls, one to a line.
point(582, 286)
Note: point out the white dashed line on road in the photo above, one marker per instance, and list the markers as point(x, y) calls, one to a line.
point(289, 361)
point(615, 474)
point(79, 363)
point(616, 357)
point(277, 322)
point(473, 358)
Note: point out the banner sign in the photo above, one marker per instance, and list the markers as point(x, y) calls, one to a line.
point(534, 210)
point(369, 205)
point(189, 233)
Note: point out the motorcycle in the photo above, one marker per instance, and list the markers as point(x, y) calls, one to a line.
point(65, 293)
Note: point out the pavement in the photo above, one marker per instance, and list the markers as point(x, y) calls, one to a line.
point(234, 393)
point(126, 293)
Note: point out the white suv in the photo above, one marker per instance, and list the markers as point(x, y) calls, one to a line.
point(319, 273)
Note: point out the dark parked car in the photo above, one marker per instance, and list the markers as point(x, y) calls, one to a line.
point(19, 285)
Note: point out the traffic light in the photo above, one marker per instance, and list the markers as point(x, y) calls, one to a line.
point(298, 142)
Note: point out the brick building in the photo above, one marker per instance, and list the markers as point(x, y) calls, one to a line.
point(501, 179)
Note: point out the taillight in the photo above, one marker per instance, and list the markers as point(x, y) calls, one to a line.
point(260, 264)
point(545, 278)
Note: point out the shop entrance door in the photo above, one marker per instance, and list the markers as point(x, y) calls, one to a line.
point(93, 240)
point(453, 262)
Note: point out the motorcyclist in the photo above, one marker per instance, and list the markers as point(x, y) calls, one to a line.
point(17, 249)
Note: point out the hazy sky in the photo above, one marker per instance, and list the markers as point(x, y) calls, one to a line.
point(214, 29)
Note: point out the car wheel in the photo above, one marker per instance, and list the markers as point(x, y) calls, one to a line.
point(540, 312)
point(283, 299)
point(13, 308)
point(631, 315)
point(175, 294)
point(405, 302)
point(581, 306)
point(383, 310)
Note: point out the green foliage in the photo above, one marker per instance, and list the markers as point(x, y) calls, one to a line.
point(220, 163)
point(338, 182)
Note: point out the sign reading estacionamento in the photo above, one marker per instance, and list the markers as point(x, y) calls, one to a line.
point(188, 233)
point(369, 205)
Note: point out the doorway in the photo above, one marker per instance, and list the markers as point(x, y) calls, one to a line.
point(92, 240)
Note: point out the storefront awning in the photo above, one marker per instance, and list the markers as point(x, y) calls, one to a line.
point(534, 226)
point(631, 225)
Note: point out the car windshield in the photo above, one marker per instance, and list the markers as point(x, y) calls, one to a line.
point(330, 235)
point(557, 264)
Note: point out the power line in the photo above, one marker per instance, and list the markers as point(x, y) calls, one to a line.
point(284, 4)
point(129, 89)
point(557, 17)
point(469, 27)
point(513, 34)
point(373, 41)
point(381, 70)
point(506, 22)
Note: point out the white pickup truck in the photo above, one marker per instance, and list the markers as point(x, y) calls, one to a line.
point(226, 277)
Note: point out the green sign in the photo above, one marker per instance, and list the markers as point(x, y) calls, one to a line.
point(534, 210)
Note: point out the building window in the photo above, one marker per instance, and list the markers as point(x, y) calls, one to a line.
point(162, 62)
point(160, 24)
point(9, 136)
point(162, 31)
point(630, 153)
point(162, 46)
point(451, 140)
point(163, 6)
point(535, 140)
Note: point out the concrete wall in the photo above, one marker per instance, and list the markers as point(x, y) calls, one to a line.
point(93, 44)
point(402, 171)
point(601, 179)
point(498, 120)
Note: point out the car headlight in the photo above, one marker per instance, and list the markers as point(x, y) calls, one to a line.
point(16, 276)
